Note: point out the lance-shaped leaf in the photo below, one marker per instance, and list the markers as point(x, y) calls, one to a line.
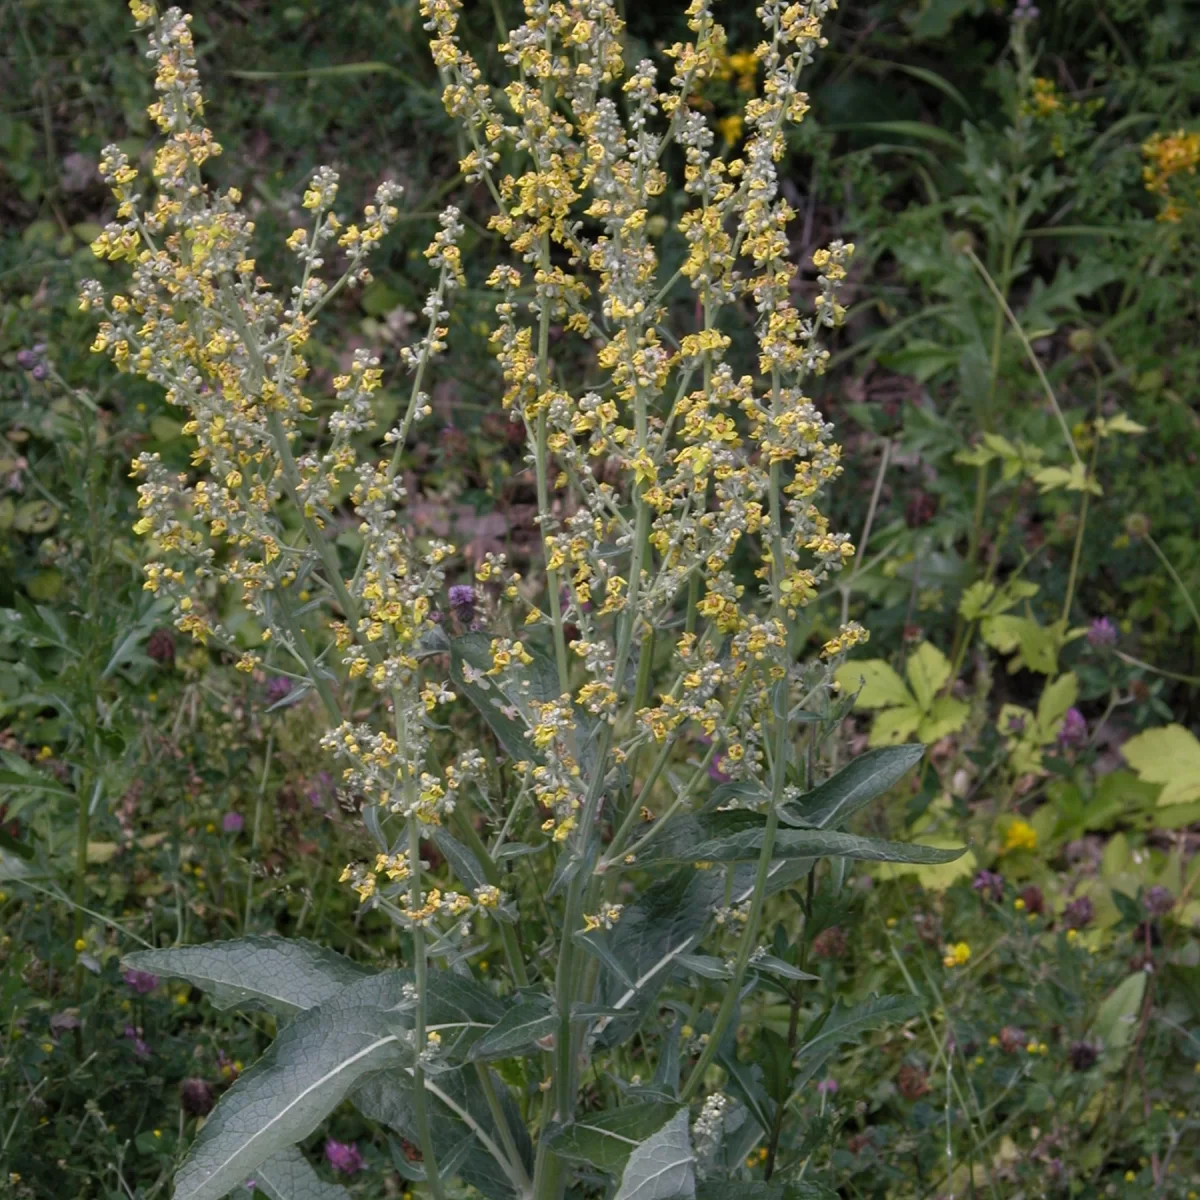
point(846, 1024)
point(663, 1167)
point(869, 776)
point(606, 1140)
point(282, 975)
point(517, 1031)
point(313, 1064)
point(288, 1176)
point(740, 845)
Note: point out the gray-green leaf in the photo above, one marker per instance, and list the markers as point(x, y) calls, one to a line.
point(836, 800)
point(663, 1167)
point(288, 1176)
point(310, 1068)
point(608, 1139)
point(518, 1030)
point(284, 976)
point(746, 843)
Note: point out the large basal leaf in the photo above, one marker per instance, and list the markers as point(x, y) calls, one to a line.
point(517, 1031)
point(313, 1064)
point(744, 844)
point(283, 975)
point(288, 1176)
point(663, 1167)
point(607, 1139)
point(869, 776)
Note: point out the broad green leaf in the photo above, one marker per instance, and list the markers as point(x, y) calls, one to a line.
point(1170, 756)
point(945, 716)
point(466, 867)
point(662, 1167)
point(1056, 698)
point(894, 725)
point(288, 1176)
point(490, 702)
point(864, 779)
point(814, 843)
point(312, 1066)
point(606, 1140)
point(1116, 1022)
point(881, 686)
point(927, 670)
point(517, 1031)
point(281, 975)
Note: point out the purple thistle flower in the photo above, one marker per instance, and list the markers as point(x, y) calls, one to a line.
point(233, 822)
point(1158, 900)
point(989, 884)
point(1074, 729)
point(32, 359)
point(141, 981)
point(827, 1087)
point(1102, 634)
point(344, 1157)
point(278, 686)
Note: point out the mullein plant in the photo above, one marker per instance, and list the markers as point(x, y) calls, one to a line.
point(660, 725)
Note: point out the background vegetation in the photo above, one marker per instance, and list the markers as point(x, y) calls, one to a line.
point(1016, 388)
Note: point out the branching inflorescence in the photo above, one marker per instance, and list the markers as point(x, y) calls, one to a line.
point(678, 494)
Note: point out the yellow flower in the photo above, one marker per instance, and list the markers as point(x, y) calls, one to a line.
point(957, 955)
point(731, 128)
point(1020, 836)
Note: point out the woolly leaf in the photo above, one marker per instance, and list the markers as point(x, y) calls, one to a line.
point(662, 1167)
point(282, 975)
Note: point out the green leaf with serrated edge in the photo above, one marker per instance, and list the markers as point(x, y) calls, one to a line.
point(945, 716)
point(867, 777)
point(517, 1031)
point(457, 1110)
point(312, 1066)
point(814, 843)
point(288, 1176)
point(894, 725)
point(1170, 756)
point(282, 975)
point(606, 1140)
point(662, 1167)
point(1116, 1022)
point(927, 669)
point(877, 685)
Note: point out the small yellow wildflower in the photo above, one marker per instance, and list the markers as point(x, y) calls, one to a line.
point(1020, 836)
point(957, 955)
